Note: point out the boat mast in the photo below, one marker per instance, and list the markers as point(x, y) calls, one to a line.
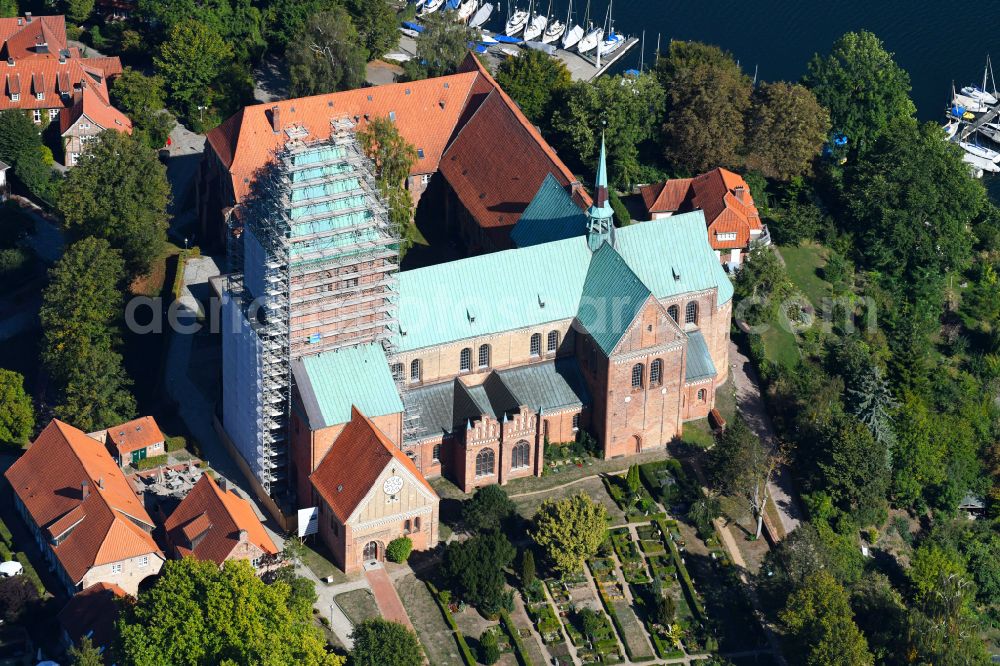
point(642, 51)
point(569, 15)
point(657, 46)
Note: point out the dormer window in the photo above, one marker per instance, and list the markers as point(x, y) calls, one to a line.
point(15, 97)
point(40, 94)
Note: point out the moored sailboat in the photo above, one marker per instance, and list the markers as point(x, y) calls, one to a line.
point(573, 33)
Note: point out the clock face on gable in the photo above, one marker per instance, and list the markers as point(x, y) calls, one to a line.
point(392, 485)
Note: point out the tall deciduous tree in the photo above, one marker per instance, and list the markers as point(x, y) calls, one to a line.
point(743, 466)
point(786, 128)
point(192, 60)
point(475, 569)
point(377, 26)
point(393, 157)
point(707, 99)
point(143, 98)
point(570, 530)
point(17, 415)
point(9, 9)
point(819, 619)
point(78, 309)
point(325, 56)
point(533, 80)
point(200, 613)
point(487, 509)
point(85, 654)
point(79, 11)
point(862, 87)
point(21, 147)
point(441, 47)
point(379, 642)
point(119, 191)
point(626, 111)
point(854, 468)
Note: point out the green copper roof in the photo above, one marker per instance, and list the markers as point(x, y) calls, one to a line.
point(331, 382)
point(544, 283)
point(699, 361)
point(550, 216)
point(612, 296)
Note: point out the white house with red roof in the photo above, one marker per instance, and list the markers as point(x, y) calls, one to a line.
point(87, 519)
point(49, 80)
point(732, 220)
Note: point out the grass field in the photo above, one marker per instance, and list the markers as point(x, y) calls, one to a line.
point(434, 633)
point(804, 263)
point(358, 605)
point(781, 346)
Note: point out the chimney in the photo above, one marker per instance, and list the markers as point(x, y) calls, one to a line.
point(85, 489)
point(275, 119)
point(243, 536)
point(100, 482)
point(27, 16)
point(740, 192)
point(223, 484)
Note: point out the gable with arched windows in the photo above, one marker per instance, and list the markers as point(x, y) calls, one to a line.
point(485, 462)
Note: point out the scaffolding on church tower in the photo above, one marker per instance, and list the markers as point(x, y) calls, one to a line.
point(320, 255)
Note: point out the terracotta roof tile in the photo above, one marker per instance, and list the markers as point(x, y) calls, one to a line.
point(665, 197)
point(93, 612)
point(49, 480)
point(219, 515)
point(26, 40)
point(369, 452)
point(137, 434)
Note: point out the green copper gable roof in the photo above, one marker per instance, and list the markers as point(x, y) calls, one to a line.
point(331, 382)
point(699, 361)
point(544, 283)
point(672, 256)
point(612, 296)
point(550, 216)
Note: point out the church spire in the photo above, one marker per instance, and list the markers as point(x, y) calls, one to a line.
point(600, 216)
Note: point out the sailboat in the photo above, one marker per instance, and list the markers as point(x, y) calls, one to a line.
point(591, 39)
point(515, 21)
point(613, 41)
point(431, 6)
point(466, 10)
point(980, 93)
point(573, 33)
point(555, 28)
point(482, 16)
point(535, 27)
point(978, 151)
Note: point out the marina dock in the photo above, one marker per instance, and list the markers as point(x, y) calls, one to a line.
point(967, 131)
point(584, 67)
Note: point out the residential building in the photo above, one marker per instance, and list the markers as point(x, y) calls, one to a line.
point(214, 523)
point(92, 613)
point(50, 80)
point(375, 498)
point(87, 519)
point(479, 160)
point(134, 441)
point(731, 217)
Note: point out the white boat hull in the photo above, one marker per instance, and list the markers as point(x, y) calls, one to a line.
point(609, 46)
point(970, 103)
point(590, 41)
point(981, 95)
point(535, 29)
point(553, 32)
point(979, 151)
point(572, 37)
point(466, 10)
point(482, 16)
point(980, 163)
point(431, 6)
point(516, 23)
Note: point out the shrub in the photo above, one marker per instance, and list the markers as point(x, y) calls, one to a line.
point(13, 262)
point(489, 649)
point(5, 534)
point(152, 462)
point(399, 549)
point(30, 573)
point(175, 444)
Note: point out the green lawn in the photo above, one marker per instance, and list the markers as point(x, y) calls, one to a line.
point(321, 565)
point(803, 263)
point(358, 605)
point(780, 345)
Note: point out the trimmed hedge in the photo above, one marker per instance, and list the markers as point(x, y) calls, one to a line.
point(5, 553)
point(686, 584)
point(31, 574)
point(151, 462)
point(5, 536)
point(399, 549)
point(463, 647)
point(610, 610)
point(175, 444)
point(520, 651)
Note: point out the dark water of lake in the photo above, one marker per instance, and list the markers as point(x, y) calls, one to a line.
point(934, 41)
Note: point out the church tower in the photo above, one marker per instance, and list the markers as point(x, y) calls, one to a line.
point(600, 216)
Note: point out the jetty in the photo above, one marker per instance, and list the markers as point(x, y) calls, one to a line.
point(965, 132)
point(584, 67)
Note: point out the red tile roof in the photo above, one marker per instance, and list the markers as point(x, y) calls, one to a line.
point(219, 515)
point(369, 452)
point(724, 197)
point(93, 612)
point(430, 114)
point(137, 434)
point(88, 102)
point(49, 480)
point(25, 40)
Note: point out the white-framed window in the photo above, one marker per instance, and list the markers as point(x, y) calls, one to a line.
point(726, 236)
point(415, 371)
point(484, 356)
point(84, 125)
point(425, 179)
point(116, 568)
point(53, 114)
point(15, 97)
point(73, 157)
point(40, 95)
point(36, 115)
point(536, 344)
point(553, 342)
point(144, 561)
point(576, 421)
point(465, 360)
